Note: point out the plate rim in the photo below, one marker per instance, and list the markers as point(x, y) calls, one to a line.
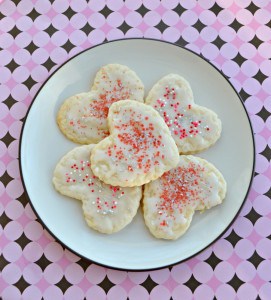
point(140, 269)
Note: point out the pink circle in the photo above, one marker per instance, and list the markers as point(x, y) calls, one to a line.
point(32, 251)
point(160, 276)
point(97, 20)
point(243, 227)
point(251, 86)
point(204, 254)
point(40, 56)
point(39, 73)
point(262, 162)
point(2, 171)
point(11, 273)
point(22, 57)
point(24, 23)
point(151, 4)
point(262, 205)
point(138, 292)
point(18, 110)
point(74, 273)
point(2, 190)
point(225, 292)
point(247, 291)
point(29, 212)
point(23, 39)
point(53, 292)
point(207, 17)
point(229, 51)
point(117, 292)
point(59, 55)
point(53, 273)
point(11, 292)
point(133, 4)
point(74, 293)
point(253, 105)
point(42, 22)
point(115, 4)
point(60, 21)
point(246, 271)
point(14, 189)
point(71, 256)
point(5, 75)
point(153, 33)
point(152, 18)
point(3, 129)
point(225, 17)
point(230, 68)
point(182, 292)
point(188, 4)
point(6, 40)
point(246, 33)
point(138, 277)
point(257, 123)
point(262, 16)
point(202, 272)
point(33, 230)
point(210, 51)
point(77, 37)
point(32, 293)
point(263, 33)
point(12, 252)
point(78, 5)
point(263, 226)
point(24, 7)
point(242, 3)
point(60, 6)
point(96, 36)
point(6, 24)
point(96, 6)
point(265, 67)
point(190, 34)
point(181, 273)
point(59, 38)
point(206, 4)
point(20, 74)
point(115, 19)
point(14, 209)
point(267, 85)
point(249, 68)
point(15, 129)
point(171, 34)
point(13, 149)
point(223, 249)
point(265, 291)
point(19, 92)
point(224, 4)
point(3, 149)
point(261, 184)
point(244, 16)
point(114, 34)
point(115, 276)
point(248, 50)
point(8, 8)
point(42, 6)
point(189, 17)
point(79, 20)
point(32, 273)
point(5, 57)
point(96, 292)
point(208, 34)
point(170, 4)
point(159, 292)
point(4, 92)
point(133, 19)
point(203, 292)
point(170, 18)
point(41, 38)
point(261, 144)
point(224, 271)
point(54, 251)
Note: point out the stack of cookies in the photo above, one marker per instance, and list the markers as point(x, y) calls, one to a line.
point(134, 151)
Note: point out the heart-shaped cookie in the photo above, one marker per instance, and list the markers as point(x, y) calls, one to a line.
point(169, 202)
point(193, 127)
point(139, 148)
point(82, 117)
point(106, 208)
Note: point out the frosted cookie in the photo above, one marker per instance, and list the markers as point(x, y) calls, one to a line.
point(169, 202)
point(139, 148)
point(193, 127)
point(106, 208)
point(82, 117)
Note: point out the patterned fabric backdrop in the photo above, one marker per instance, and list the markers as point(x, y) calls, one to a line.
point(35, 38)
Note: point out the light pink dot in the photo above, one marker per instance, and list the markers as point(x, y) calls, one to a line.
point(244, 16)
point(59, 55)
point(207, 17)
point(8, 8)
point(115, 19)
point(54, 251)
point(170, 18)
point(74, 273)
point(117, 292)
point(208, 34)
point(60, 6)
point(160, 276)
point(33, 230)
point(11, 273)
point(203, 292)
point(248, 50)
point(257, 123)
point(40, 56)
point(262, 205)
point(251, 86)
point(224, 4)
point(182, 292)
point(32, 251)
point(253, 104)
point(262, 16)
point(189, 17)
point(224, 271)
point(133, 19)
point(11, 292)
point(23, 39)
point(6, 24)
point(262, 163)
point(223, 249)
point(24, 23)
point(22, 57)
point(229, 51)
point(181, 273)
point(6, 40)
point(133, 32)
point(79, 20)
point(97, 20)
point(206, 4)
point(39, 73)
point(114, 34)
point(20, 74)
point(263, 226)
point(32, 293)
point(267, 85)
point(171, 34)
point(18, 110)
point(78, 37)
point(190, 34)
point(261, 144)
point(13, 149)
point(246, 33)
point(170, 4)
point(188, 4)
point(42, 6)
point(138, 277)
point(204, 254)
point(265, 67)
point(250, 68)
point(25, 7)
point(153, 33)
point(151, 4)
point(15, 129)
point(19, 92)
point(203, 272)
point(3, 129)
point(265, 291)
point(159, 292)
point(5, 75)
point(12, 252)
point(96, 36)
point(225, 17)
point(5, 57)
point(53, 292)
point(60, 21)
point(225, 292)
point(59, 38)
point(32, 273)
point(261, 184)
point(53, 273)
point(41, 38)
point(14, 209)
point(72, 53)
point(2, 171)
point(74, 293)
point(78, 5)
point(3, 149)
point(243, 227)
point(96, 292)
point(210, 51)
point(29, 212)
point(4, 92)
point(138, 292)
point(242, 3)
point(14, 189)
point(42, 22)
point(71, 256)
point(246, 271)
point(230, 68)
point(152, 18)
point(133, 4)
point(247, 291)
point(96, 6)
point(115, 276)
point(263, 33)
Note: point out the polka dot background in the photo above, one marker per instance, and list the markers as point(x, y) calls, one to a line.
point(35, 38)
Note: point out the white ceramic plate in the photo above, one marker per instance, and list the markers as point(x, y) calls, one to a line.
point(42, 145)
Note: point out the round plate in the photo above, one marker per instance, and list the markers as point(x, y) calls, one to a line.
point(42, 145)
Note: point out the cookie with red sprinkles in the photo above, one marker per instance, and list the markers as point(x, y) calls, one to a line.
point(139, 148)
point(193, 127)
point(82, 118)
point(106, 208)
point(170, 202)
